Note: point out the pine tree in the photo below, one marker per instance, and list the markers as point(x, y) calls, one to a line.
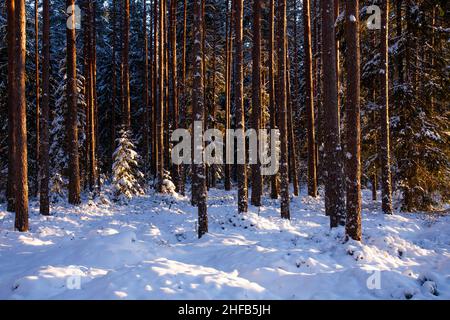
point(44, 157)
point(239, 103)
point(333, 171)
point(312, 174)
point(274, 190)
point(198, 109)
point(353, 141)
point(386, 188)
point(126, 175)
point(282, 109)
point(256, 99)
point(12, 98)
point(20, 131)
point(72, 123)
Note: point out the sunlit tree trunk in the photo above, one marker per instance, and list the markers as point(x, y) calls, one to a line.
point(385, 158)
point(21, 175)
point(72, 120)
point(239, 104)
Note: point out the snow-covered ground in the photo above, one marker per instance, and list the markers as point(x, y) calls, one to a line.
point(149, 250)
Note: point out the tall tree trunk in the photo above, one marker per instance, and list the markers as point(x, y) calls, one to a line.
point(333, 171)
point(282, 109)
point(21, 176)
point(292, 150)
point(399, 60)
point(12, 98)
point(256, 100)
point(167, 119)
point(155, 87)
point(92, 97)
point(228, 68)
point(353, 143)
point(309, 99)
point(36, 63)
point(274, 190)
point(183, 109)
point(198, 109)
point(239, 104)
point(386, 188)
point(126, 69)
point(113, 85)
point(161, 96)
point(174, 84)
point(44, 158)
point(72, 98)
point(145, 97)
point(213, 106)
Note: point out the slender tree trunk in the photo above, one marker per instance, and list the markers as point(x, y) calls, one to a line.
point(167, 119)
point(333, 171)
point(44, 158)
point(87, 93)
point(21, 175)
point(198, 109)
point(213, 107)
point(386, 188)
point(309, 99)
point(183, 108)
point(72, 123)
point(399, 29)
point(239, 104)
point(12, 98)
point(282, 109)
point(126, 69)
point(92, 97)
point(36, 63)
point(155, 103)
point(113, 85)
point(229, 42)
point(256, 100)
point(145, 97)
point(353, 155)
point(274, 190)
point(161, 97)
point(292, 150)
point(174, 96)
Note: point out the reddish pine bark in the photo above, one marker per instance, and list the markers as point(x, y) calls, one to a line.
point(21, 175)
point(386, 187)
point(309, 100)
point(72, 119)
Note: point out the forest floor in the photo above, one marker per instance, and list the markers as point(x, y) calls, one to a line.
point(149, 249)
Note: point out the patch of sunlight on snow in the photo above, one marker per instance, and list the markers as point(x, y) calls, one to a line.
point(107, 232)
point(121, 294)
point(30, 241)
point(148, 288)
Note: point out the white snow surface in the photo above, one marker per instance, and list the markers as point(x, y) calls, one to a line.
point(149, 249)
